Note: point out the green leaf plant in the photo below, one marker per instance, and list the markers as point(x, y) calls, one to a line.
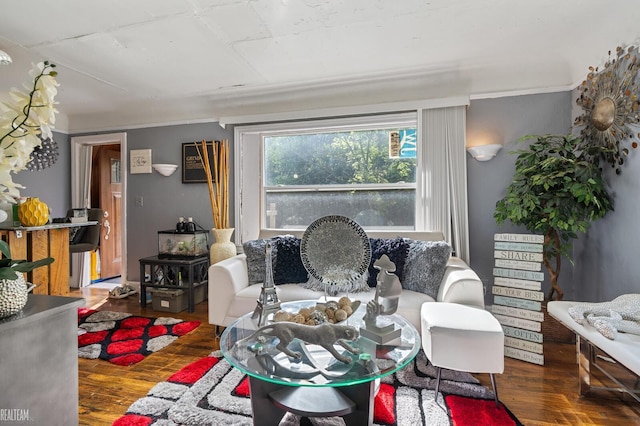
point(9, 268)
point(558, 189)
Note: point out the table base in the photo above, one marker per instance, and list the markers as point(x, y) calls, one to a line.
point(270, 402)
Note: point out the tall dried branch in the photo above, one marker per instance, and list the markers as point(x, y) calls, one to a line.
point(218, 193)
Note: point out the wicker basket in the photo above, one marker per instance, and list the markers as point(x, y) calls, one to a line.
point(554, 331)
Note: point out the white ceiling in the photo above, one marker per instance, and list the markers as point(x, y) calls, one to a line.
point(126, 63)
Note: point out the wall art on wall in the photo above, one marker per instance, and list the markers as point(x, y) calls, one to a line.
point(43, 156)
point(140, 161)
point(610, 104)
point(192, 166)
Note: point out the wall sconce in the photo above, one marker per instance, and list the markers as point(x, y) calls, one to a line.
point(484, 152)
point(165, 169)
point(5, 59)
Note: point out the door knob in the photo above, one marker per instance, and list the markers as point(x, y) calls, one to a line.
point(107, 225)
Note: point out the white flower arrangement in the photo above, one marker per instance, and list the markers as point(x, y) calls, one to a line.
point(26, 118)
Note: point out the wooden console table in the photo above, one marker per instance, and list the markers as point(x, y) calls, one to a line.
point(38, 242)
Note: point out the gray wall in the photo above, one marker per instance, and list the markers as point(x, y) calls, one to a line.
point(164, 198)
point(507, 119)
point(51, 185)
point(167, 198)
point(604, 262)
point(605, 259)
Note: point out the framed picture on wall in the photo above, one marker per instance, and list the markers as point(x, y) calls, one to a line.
point(192, 165)
point(140, 161)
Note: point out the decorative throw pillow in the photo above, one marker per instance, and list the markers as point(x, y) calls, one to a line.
point(255, 251)
point(396, 249)
point(425, 265)
point(288, 267)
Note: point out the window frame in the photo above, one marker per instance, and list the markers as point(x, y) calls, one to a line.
point(250, 198)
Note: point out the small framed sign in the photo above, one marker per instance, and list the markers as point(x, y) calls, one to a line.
point(192, 164)
point(140, 161)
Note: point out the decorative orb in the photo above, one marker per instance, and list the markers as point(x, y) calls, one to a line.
point(340, 315)
point(13, 296)
point(319, 317)
point(33, 212)
point(281, 316)
point(344, 301)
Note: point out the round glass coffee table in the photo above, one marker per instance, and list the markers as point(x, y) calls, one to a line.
point(316, 384)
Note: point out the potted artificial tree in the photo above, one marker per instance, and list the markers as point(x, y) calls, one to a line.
point(558, 189)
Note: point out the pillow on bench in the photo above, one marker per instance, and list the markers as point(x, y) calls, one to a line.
point(255, 252)
point(288, 268)
point(286, 263)
point(425, 265)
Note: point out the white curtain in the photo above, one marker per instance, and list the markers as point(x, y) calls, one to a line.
point(80, 200)
point(443, 134)
point(82, 197)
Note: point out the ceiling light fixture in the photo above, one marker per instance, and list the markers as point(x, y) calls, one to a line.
point(484, 152)
point(5, 59)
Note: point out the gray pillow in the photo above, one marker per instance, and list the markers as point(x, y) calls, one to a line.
point(425, 265)
point(255, 251)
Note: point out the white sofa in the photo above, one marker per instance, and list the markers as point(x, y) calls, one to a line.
point(231, 296)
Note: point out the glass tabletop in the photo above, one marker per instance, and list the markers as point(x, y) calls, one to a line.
point(317, 367)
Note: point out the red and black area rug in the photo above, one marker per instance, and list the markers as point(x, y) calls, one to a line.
point(126, 339)
point(212, 392)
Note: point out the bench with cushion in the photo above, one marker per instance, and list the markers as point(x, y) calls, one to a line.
point(616, 362)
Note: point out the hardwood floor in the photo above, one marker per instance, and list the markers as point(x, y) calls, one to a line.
point(537, 395)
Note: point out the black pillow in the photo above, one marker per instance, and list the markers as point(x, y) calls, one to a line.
point(396, 249)
point(288, 267)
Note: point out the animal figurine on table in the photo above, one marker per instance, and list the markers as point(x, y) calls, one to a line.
point(622, 314)
point(325, 335)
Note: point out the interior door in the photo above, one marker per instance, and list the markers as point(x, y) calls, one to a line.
point(109, 173)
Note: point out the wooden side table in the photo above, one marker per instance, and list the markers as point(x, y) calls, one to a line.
point(163, 273)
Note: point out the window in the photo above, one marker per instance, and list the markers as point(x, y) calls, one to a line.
point(353, 173)
point(269, 193)
point(363, 168)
